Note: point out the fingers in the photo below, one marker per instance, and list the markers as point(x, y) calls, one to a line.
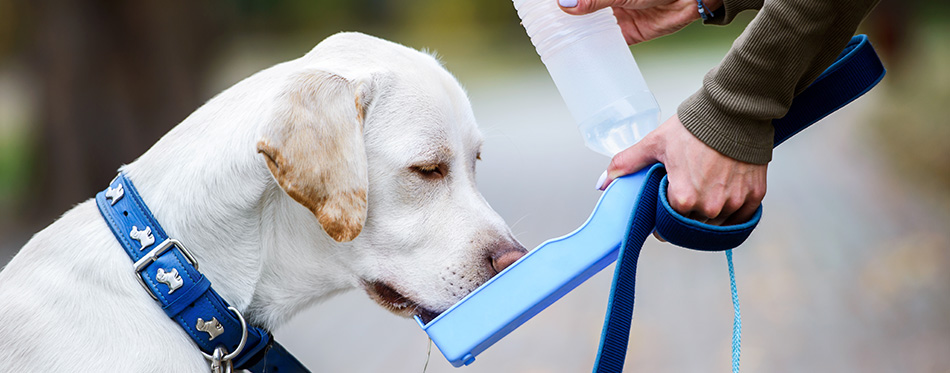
point(742, 199)
point(731, 205)
point(710, 207)
point(716, 213)
point(705, 185)
point(745, 212)
point(632, 159)
point(589, 6)
point(689, 201)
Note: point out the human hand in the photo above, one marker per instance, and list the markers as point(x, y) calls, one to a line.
point(704, 185)
point(642, 20)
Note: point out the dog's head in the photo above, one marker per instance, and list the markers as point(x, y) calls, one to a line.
point(379, 142)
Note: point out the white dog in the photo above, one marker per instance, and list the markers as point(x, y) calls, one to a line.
point(351, 167)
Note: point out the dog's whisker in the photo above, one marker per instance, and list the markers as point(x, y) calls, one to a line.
point(428, 355)
point(515, 224)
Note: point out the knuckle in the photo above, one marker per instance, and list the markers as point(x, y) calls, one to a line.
point(733, 204)
point(617, 162)
point(757, 195)
point(653, 142)
point(711, 209)
point(591, 6)
point(682, 202)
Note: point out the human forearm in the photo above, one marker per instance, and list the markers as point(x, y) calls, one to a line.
point(787, 45)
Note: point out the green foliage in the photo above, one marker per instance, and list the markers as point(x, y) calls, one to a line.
point(14, 166)
point(467, 35)
point(911, 126)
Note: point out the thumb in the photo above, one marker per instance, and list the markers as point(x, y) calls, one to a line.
point(578, 7)
point(633, 159)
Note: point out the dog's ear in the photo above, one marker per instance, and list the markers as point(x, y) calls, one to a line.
point(314, 148)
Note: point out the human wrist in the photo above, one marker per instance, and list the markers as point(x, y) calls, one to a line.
point(735, 136)
point(706, 8)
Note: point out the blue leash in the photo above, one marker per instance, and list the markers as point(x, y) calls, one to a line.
point(856, 71)
point(737, 320)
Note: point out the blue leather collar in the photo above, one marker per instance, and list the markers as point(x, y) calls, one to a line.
point(169, 273)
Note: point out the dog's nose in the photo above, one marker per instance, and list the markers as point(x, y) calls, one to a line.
point(504, 253)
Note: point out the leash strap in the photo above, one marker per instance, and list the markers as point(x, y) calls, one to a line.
point(737, 319)
point(856, 71)
point(169, 273)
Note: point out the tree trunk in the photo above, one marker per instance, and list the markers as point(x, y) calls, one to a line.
point(113, 77)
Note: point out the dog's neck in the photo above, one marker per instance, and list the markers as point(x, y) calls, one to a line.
point(205, 183)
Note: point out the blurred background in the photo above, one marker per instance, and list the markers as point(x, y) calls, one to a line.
point(848, 271)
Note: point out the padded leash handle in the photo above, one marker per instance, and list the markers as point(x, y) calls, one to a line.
point(856, 71)
point(685, 232)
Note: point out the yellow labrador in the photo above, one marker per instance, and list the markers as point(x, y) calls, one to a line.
point(350, 167)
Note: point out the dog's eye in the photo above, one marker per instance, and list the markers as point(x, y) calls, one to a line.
point(430, 171)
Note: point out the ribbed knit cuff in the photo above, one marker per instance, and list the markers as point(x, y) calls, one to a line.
point(737, 137)
point(730, 8)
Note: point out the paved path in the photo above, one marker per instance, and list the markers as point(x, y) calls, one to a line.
point(848, 270)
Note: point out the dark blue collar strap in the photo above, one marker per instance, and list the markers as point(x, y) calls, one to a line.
point(169, 273)
point(856, 71)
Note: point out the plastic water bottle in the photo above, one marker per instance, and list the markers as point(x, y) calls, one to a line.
point(594, 71)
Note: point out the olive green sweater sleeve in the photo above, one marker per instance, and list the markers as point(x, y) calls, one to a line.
point(785, 47)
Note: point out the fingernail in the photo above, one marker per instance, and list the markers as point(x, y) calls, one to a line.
point(567, 3)
point(601, 180)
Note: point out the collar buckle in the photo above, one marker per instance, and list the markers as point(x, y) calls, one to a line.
point(153, 255)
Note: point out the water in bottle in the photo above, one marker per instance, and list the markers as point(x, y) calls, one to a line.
point(594, 71)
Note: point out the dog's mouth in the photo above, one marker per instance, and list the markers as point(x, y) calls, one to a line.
point(395, 302)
